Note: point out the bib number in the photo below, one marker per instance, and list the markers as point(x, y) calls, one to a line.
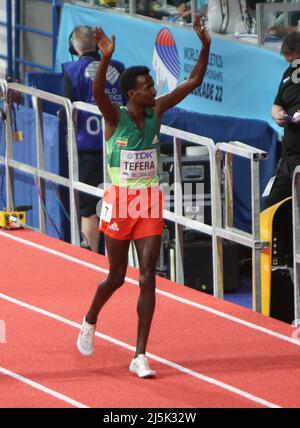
point(106, 212)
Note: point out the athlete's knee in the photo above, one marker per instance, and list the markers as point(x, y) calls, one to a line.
point(116, 282)
point(147, 280)
point(115, 279)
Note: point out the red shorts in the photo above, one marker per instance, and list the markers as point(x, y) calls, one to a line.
point(132, 213)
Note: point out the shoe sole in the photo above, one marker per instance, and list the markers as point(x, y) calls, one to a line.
point(149, 375)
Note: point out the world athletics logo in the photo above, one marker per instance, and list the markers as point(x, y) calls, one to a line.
point(165, 61)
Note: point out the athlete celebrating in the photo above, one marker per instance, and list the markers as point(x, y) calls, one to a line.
point(132, 206)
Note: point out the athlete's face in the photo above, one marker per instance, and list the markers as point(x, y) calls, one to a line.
point(144, 92)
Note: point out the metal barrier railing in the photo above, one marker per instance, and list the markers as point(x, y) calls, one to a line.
point(216, 230)
point(39, 172)
point(296, 241)
point(251, 240)
point(73, 168)
point(181, 220)
point(177, 217)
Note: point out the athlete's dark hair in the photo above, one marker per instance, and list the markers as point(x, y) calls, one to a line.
point(129, 77)
point(291, 44)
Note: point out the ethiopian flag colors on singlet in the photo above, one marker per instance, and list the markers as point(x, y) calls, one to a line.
point(133, 154)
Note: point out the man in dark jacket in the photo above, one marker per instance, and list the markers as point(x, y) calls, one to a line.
point(78, 84)
point(286, 113)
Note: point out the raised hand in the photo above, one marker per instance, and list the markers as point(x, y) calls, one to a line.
point(105, 45)
point(199, 27)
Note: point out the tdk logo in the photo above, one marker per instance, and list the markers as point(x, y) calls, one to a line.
point(143, 155)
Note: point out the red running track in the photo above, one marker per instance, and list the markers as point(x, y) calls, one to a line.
point(207, 352)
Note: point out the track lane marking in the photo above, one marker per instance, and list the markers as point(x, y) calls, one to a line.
point(43, 388)
point(163, 293)
point(161, 360)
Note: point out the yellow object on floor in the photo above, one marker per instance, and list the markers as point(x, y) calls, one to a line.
point(12, 219)
point(273, 222)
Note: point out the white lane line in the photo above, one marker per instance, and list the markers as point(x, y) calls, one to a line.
point(163, 293)
point(43, 388)
point(175, 366)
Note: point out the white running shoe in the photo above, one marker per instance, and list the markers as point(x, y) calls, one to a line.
point(85, 341)
point(140, 366)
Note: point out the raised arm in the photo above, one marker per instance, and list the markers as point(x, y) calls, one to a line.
point(195, 79)
point(110, 111)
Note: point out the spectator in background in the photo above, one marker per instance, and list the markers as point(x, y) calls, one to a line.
point(78, 86)
point(229, 16)
point(184, 9)
point(286, 113)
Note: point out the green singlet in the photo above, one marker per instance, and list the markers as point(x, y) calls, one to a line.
point(133, 154)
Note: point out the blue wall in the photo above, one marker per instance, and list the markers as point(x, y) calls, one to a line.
point(241, 80)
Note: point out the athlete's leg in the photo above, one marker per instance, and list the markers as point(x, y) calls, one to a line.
point(148, 252)
point(117, 252)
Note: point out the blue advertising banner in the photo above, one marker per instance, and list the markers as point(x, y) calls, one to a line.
point(241, 80)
